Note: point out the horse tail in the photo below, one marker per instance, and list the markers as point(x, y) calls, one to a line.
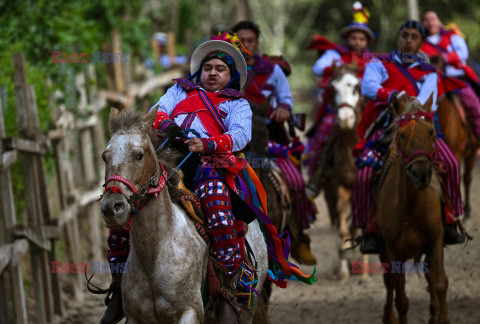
point(261, 312)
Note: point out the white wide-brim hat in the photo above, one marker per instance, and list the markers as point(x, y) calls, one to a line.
point(219, 45)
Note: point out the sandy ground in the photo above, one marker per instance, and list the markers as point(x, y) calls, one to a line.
point(355, 300)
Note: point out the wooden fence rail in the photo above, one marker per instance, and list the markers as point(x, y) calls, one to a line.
point(76, 143)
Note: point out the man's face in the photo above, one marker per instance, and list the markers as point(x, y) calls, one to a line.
point(249, 40)
point(357, 41)
point(409, 40)
point(432, 22)
point(215, 75)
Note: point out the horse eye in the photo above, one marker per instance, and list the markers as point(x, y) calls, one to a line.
point(103, 157)
point(139, 156)
point(432, 133)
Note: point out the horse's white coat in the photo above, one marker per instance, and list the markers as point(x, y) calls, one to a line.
point(123, 144)
point(346, 98)
point(346, 118)
point(168, 258)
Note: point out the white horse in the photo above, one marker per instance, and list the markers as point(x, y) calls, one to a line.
point(167, 263)
point(337, 171)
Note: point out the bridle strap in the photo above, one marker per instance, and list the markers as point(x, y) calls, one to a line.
point(122, 180)
point(406, 121)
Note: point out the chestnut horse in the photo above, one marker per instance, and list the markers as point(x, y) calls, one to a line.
point(167, 263)
point(408, 201)
point(337, 169)
point(458, 134)
point(459, 138)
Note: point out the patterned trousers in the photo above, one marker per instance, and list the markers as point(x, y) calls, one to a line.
point(362, 190)
point(472, 104)
point(303, 207)
point(316, 143)
point(215, 200)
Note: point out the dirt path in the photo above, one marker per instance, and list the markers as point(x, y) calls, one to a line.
point(361, 301)
point(355, 300)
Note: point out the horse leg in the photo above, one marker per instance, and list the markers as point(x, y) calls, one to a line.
point(365, 261)
point(344, 195)
point(469, 163)
point(437, 284)
point(389, 316)
point(190, 316)
point(401, 299)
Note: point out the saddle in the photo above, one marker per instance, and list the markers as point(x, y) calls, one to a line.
point(218, 285)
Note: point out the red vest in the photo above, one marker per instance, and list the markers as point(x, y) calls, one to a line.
point(401, 79)
point(442, 46)
point(254, 90)
point(194, 104)
point(347, 58)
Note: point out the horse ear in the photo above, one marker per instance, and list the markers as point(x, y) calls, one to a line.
point(149, 119)
point(428, 105)
point(114, 112)
point(396, 105)
point(334, 67)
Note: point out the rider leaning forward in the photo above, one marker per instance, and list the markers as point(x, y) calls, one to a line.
point(385, 76)
point(210, 103)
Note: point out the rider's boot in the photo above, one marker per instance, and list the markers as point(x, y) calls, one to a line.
point(114, 312)
point(300, 250)
point(228, 308)
point(316, 182)
point(371, 241)
point(451, 235)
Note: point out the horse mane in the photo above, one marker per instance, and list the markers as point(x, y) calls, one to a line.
point(134, 120)
point(392, 130)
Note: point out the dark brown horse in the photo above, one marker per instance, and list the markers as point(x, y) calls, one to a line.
point(459, 138)
point(279, 203)
point(337, 169)
point(408, 204)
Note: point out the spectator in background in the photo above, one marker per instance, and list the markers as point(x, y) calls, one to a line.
point(160, 42)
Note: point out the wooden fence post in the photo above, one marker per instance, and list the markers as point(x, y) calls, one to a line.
point(27, 121)
point(9, 218)
point(65, 181)
point(89, 176)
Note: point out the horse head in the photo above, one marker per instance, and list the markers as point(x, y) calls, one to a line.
point(415, 138)
point(130, 165)
point(346, 95)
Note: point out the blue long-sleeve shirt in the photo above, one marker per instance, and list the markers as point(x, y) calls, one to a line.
point(376, 74)
point(237, 112)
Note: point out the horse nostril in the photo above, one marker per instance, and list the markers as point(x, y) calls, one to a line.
point(118, 208)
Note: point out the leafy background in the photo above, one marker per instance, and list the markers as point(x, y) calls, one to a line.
point(39, 27)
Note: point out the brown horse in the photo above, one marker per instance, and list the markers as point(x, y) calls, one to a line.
point(408, 204)
point(459, 138)
point(337, 169)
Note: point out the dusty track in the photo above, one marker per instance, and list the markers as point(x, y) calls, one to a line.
point(355, 300)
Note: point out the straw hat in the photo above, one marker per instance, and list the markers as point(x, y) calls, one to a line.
point(224, 46)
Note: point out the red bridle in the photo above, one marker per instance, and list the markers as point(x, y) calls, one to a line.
point(408, 121)
point(153, 187)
